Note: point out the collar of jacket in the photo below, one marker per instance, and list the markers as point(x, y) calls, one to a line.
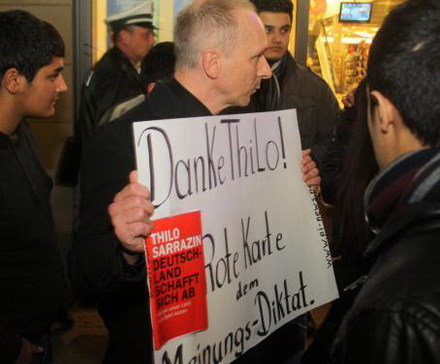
point(22, 145)
point(6, 141)
point(123, 60)
point(404, 195)
point(280, 67)
point(268, 96)
point(170, 100)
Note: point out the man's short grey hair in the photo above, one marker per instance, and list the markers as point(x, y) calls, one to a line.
point(206, 24)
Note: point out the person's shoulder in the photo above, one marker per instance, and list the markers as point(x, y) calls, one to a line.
point(304, 83)
point(301, 73)
point(311, 77)
point(107, 138)
point(108, 63)
point(379, 326)
point(309, 89)
point(121, 109)
point(405, 289)
point(137, 109)
point(420, 316)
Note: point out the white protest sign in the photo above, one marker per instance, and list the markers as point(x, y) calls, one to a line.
point(266, 254)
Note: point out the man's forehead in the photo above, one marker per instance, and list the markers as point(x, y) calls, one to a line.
point(275, 18)
point(135, 30)
point(252, 35)
point(248, 20)
point(57, 63)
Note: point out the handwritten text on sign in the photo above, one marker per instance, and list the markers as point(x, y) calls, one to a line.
point(266, 254)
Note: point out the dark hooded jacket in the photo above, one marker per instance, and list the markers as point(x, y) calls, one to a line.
point(396, 316)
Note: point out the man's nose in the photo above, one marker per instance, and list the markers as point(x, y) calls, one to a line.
point(276, 39)
point(61, 84)
point(264, 70)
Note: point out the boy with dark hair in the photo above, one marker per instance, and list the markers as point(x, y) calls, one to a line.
point(396, 316)
point(31, 272)
point(293, 86)
point(158, 64)
point(275, 6)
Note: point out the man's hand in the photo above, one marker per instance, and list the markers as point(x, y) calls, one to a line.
point(310, 170)
point(27, 351)
point(130, 214)
point(348, 100)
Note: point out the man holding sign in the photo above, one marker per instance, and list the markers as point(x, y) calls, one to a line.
point(220, 62)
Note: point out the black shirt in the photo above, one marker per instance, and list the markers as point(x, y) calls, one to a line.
point(31, 272)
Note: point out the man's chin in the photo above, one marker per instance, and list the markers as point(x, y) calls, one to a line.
point(243, 102)
point(273, 57)
point(43, 114)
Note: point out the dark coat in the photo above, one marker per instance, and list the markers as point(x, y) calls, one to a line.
point(396, 316)
point(31, 271)
point(316, 105)
point(97, 267)
point(112, 80)
point(301, 89)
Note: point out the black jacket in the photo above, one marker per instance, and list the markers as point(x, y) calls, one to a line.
point(301, 89)
point(112, 80)
point(31, 272)
point(317, 107)
point(97, 268)
point(396, 316)
point(337, 152)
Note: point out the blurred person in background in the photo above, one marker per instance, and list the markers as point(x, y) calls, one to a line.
point(157, 66)
point(115, 77)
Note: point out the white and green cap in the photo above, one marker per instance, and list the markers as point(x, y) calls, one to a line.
point(140, 15)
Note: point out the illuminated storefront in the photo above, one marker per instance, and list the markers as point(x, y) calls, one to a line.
point(339, 37)
point(332, 43)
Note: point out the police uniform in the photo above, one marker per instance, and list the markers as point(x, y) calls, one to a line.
point(114, 78)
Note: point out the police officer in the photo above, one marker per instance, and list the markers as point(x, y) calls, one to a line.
point(115, 77)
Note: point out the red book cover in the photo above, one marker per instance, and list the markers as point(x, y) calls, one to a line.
point(176, 277)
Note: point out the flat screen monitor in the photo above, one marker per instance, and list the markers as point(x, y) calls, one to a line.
point(355, 12)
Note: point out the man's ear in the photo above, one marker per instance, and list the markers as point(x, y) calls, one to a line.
point(13, 81)
point(386, 112)
point(150, 86)
point(211, 62)
point(124, 36)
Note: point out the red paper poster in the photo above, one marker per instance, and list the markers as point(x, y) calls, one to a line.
point(176, 277)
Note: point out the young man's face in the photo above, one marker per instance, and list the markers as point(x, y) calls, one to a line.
point(246, 65)
point(278, 27)
point(40, 96)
